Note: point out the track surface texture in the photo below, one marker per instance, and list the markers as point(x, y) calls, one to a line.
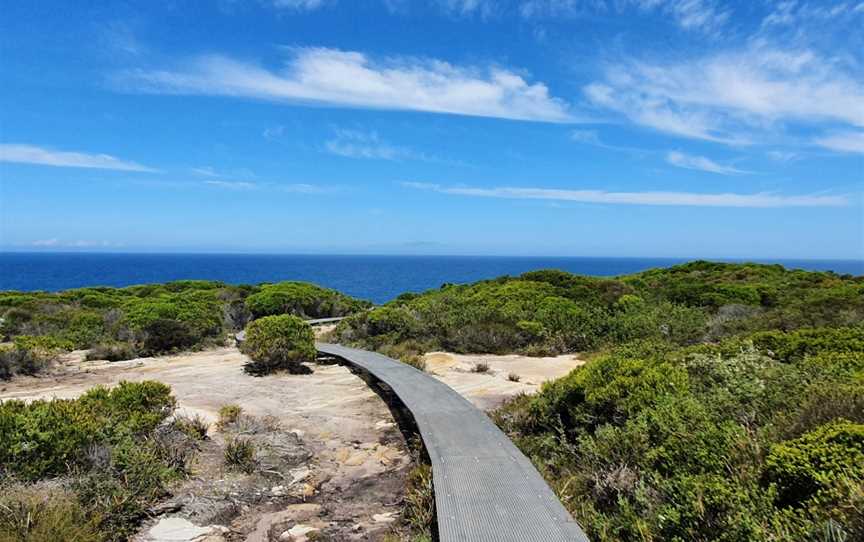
point(486, 490)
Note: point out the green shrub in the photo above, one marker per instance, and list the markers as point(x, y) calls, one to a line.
point(195, 427)
point(649, 442)
point(795, 345)
point(112, 352)
point(111, 448)
point(43, 514)
point(301, 299)
point(240, 454)
point(419, 509)
point(228, 414)
point(46, 438)
point(817, 461)
point(278, 343)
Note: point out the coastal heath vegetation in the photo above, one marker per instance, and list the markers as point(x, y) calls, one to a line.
point(719, 402)
point(88, 468)
point(123, 323)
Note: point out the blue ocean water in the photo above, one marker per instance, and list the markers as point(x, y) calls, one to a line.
point(376, 278)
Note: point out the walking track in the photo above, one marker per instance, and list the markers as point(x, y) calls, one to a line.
point(486, 490)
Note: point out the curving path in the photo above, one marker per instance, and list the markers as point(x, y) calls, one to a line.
point(486, 490)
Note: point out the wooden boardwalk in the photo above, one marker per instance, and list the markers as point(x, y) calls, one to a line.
point(486, 490)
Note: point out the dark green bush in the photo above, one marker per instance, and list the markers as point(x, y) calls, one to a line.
point(795, 345)
point(112, 352)
point(652, 443)
point(278, 343)
point(155, 318)
point(301, 299)
point(816, 462)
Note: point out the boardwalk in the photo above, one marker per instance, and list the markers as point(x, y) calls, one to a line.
point(486, 490)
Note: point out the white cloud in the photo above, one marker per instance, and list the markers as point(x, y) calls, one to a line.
point(31, 154)
point(274, 133)
point(232, 185)
point(46, 242)
point(732, 97)
point(591, 137)
point(692, 199)
point(783, 156)
point(303, 188)
point(843, 142)
point(80, 243)
point(467, 7)
point(700, 163)
point(588, 137)
point(701, 15)
point(790, 13)
point(351, 79)
point(299, 5)
point(357, 144)
point(205, 171)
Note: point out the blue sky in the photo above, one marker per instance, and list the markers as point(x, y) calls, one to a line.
point(537, 127)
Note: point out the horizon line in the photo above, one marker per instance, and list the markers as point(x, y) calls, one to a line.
point(737, 259)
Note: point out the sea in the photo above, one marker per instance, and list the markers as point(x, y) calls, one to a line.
point(376, 278)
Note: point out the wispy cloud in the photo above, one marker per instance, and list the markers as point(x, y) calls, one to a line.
point(700, 163)
point(303, 188)
point(293, 188)
point(274, 132)
point(732, 97)
point(53, 242)
point(352, 79)
point(232, 185)
point(299, 5)
point(783, 156)
point(205, 171)
point(792, 12)
point(843, 142)
point(691, 199)
point(591, 137)
point(357, 144)
point(31, 154)
point(484, 8)
point(693, 15)
point(79, 243)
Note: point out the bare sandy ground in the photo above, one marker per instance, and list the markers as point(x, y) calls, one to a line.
point(487, 390)
point(358, 460)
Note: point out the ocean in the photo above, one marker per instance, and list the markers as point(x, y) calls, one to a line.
point(376, 278)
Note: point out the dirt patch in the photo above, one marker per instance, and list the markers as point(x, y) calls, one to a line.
point(506, 376)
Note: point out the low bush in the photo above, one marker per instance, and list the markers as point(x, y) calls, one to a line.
point(817, 462)
point(228, 414)
point(112, 352)
point(195, 427)
point(43, 514)
point(240, 454)
point(419, 510)
point(276, 343)
point(109, 448)
point(17, 360)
